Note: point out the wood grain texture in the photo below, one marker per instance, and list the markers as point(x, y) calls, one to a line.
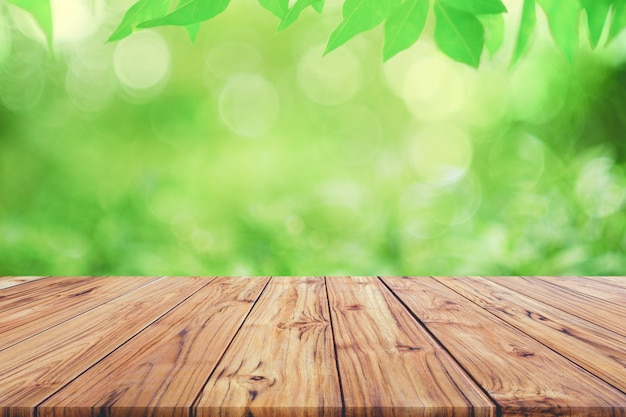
point(606, 314)
point(600, 352)
point(36, 368)
point(587, 287)
point(522, 375)
point(389, 365)
point(162, 369)
point(6, 282)
point(282, 362)
point(41, 313)
point(334, 347)
point(37, 290)
point(615, 281)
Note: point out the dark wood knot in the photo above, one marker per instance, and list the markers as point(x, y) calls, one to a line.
point(406, 348)
point(523, 353)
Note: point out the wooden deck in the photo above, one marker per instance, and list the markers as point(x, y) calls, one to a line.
point(312, 346)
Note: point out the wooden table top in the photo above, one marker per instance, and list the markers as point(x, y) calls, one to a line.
point(312, 346)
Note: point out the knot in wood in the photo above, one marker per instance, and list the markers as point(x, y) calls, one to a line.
point(523, 353)
point(406, 348)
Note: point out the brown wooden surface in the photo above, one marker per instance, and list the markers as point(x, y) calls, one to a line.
point(312, 346)
point(609, 315)
point(602, 290)
point(37, 367)
point(40, 313)
point(615, 281)
point(522, 375)
point(282, 362)
point(34, 291)
point(6, 282)
point(161, 370)
point(386, 359)
point(589, 345)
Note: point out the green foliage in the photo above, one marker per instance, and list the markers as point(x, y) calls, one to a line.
point(359, 16)
point(526, 28)
point(459, 34)
point(294, 11)
point(277, 7)
point(494, 32)
point(500, 172)
point(563, 18)
point(404, 26)
point(41, 11)
point(619, 19)
point(464, 29)
point(192, 31)
point(189, 13)
point(476, 7)
point(597, 12)
point(142, 11)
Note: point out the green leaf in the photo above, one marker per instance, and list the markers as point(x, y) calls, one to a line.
point(277, 7)
point(619, 19)
point(140, 12)
point(597, 13)
point(459, 34)
point(359, 16)
point(404, 27)
point(563, 19)
point(494, 32)
point(41, 11)
point(477, 6)
point(192, 31)
point(196, 11)
point(526, 28)
point(318, 6)
point(294, 12)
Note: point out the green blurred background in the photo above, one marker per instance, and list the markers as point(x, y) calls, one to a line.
point(249, 153)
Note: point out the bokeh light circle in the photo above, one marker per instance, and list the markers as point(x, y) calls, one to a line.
point(21, 90)
point(249, 105)
point(434, 87)
point(142, 61)
point(601, 188)
point(75, 20)
point(90, 83)
point(538, 92)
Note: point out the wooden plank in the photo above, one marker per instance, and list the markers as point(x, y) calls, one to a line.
point(6, 282)
point(522, 375)
point(37, 290)
point(389, 365)
point(605, 314)
point(282, 361)
point(36, 368)
point(615, 281)
point(161, 370)
point(41, 313)
point(585, 286)
point(600, 352)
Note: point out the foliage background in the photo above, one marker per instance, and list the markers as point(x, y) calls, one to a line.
point(246, 152)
